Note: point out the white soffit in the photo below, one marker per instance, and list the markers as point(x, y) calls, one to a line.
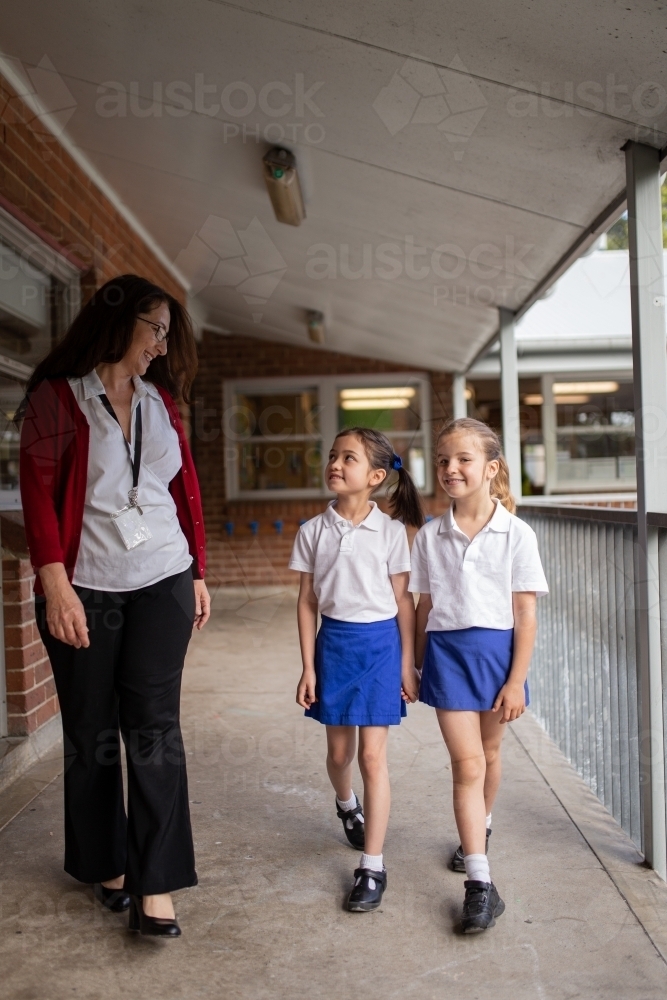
point(416, 126)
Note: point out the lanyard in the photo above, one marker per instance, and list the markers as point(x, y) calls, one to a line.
point(135, 463)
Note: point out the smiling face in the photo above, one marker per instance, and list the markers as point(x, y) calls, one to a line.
point(348, 470)
point(144, 347)
point(462, 467)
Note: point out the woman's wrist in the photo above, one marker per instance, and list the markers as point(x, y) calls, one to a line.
point(53, 577)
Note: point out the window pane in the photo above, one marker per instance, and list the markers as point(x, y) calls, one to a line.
point(280, 466)
point(11, 394)
point(29, 308)
point(271, 413)
point(384, 408)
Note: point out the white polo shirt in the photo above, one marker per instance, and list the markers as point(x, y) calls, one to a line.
point(352, 563)
point(471, 582)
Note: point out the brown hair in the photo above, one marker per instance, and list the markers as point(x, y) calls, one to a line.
point(405, 503)
point(490, 442)
point(102, 333)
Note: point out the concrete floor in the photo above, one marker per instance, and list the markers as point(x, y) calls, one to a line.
point(266, 920)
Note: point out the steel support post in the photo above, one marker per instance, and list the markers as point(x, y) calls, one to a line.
point(647, 293)
point(509, 394)
point(459, 401)
point(3, 675)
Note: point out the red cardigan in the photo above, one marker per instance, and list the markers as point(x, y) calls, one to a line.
point(53, 474)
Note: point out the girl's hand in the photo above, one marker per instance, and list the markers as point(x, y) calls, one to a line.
point(512, 700)
point(202, 605)
point(410, 684)
point(305, 692)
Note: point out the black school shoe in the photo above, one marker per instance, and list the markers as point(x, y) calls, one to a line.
point(368, 888)
point(457, 864)
point(480, 907)
point(353, 826)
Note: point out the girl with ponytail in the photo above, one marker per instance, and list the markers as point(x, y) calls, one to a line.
point(358, 670)
point(478, 573)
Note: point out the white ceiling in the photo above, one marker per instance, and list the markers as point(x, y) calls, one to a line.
point(423, 128)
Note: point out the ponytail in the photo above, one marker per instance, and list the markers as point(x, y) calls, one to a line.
point(490, 442)
point(404, 501)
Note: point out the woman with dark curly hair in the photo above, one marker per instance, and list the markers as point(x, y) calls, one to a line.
point(116, 536)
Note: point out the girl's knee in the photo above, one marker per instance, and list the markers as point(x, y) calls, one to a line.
point(491, 755)
point(340, 757)
point(372, 760)
point(470, 771)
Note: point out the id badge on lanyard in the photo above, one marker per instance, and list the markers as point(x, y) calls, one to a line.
point(129, 520)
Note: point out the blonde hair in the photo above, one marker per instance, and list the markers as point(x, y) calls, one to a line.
point(490, 442)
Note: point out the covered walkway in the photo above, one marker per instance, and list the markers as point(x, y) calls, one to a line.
point(584, 918)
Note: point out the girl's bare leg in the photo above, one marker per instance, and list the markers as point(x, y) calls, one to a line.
point(377, 794)
point(463, 736)
point(341, 750)
point(492, 736)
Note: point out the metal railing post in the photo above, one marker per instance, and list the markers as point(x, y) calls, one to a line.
point(459, 401)
point(509, 394)
point(650, 388)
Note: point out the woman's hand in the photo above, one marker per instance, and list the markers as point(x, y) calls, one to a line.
point(409, 683)
point(202, 604)
point(512, 699)
point(65, 614)
point(305, 692)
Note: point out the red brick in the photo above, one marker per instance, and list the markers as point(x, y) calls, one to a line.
point(43, 669)
point(20, 680)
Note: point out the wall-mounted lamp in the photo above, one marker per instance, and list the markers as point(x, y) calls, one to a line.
point(316, 326)
point(282, 182)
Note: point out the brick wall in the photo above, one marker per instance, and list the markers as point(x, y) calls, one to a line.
point(244, 559)
point(228, 357)
point(42, 185)
point(31, 692)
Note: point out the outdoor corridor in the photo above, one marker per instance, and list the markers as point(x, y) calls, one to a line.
point(266, 921)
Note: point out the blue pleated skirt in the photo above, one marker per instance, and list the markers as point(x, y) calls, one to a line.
point(465, 669)
point(358, 673)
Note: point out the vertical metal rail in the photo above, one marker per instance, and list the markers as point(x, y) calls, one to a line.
point(647, 296)
point(583, 678)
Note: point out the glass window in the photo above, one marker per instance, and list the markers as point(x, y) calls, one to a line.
point(394, 410)
point(595, 434)
point(32, 308)
point(278, 439)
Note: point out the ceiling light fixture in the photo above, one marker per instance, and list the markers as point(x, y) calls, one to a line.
point(316, 330)
point(388, 393)
point(574, 399)
point(282, 182)
point(534, 399)
point(567, 388)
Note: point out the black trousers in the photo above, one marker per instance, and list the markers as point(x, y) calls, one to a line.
point(129, 678)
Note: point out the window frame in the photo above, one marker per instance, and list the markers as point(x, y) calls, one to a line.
point(327, 387)
point(54, 264)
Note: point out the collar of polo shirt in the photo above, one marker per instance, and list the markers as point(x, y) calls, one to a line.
point(372, 520)
point(500, 520)
point(92, 386)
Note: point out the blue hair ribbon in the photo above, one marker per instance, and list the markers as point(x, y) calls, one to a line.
point(396, 462)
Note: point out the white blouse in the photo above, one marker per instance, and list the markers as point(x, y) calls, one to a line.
point(103, 562)
point(471, 582)
point(352, 564)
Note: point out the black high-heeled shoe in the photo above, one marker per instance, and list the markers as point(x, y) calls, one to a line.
point(116, 900)
point(152, 926)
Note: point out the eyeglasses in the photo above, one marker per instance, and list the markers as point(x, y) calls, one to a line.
point(161, 335)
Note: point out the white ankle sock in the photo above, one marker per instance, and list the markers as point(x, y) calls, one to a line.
point(477, 868)
point(347, 805)
point(372, 861)
point(488, 822)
